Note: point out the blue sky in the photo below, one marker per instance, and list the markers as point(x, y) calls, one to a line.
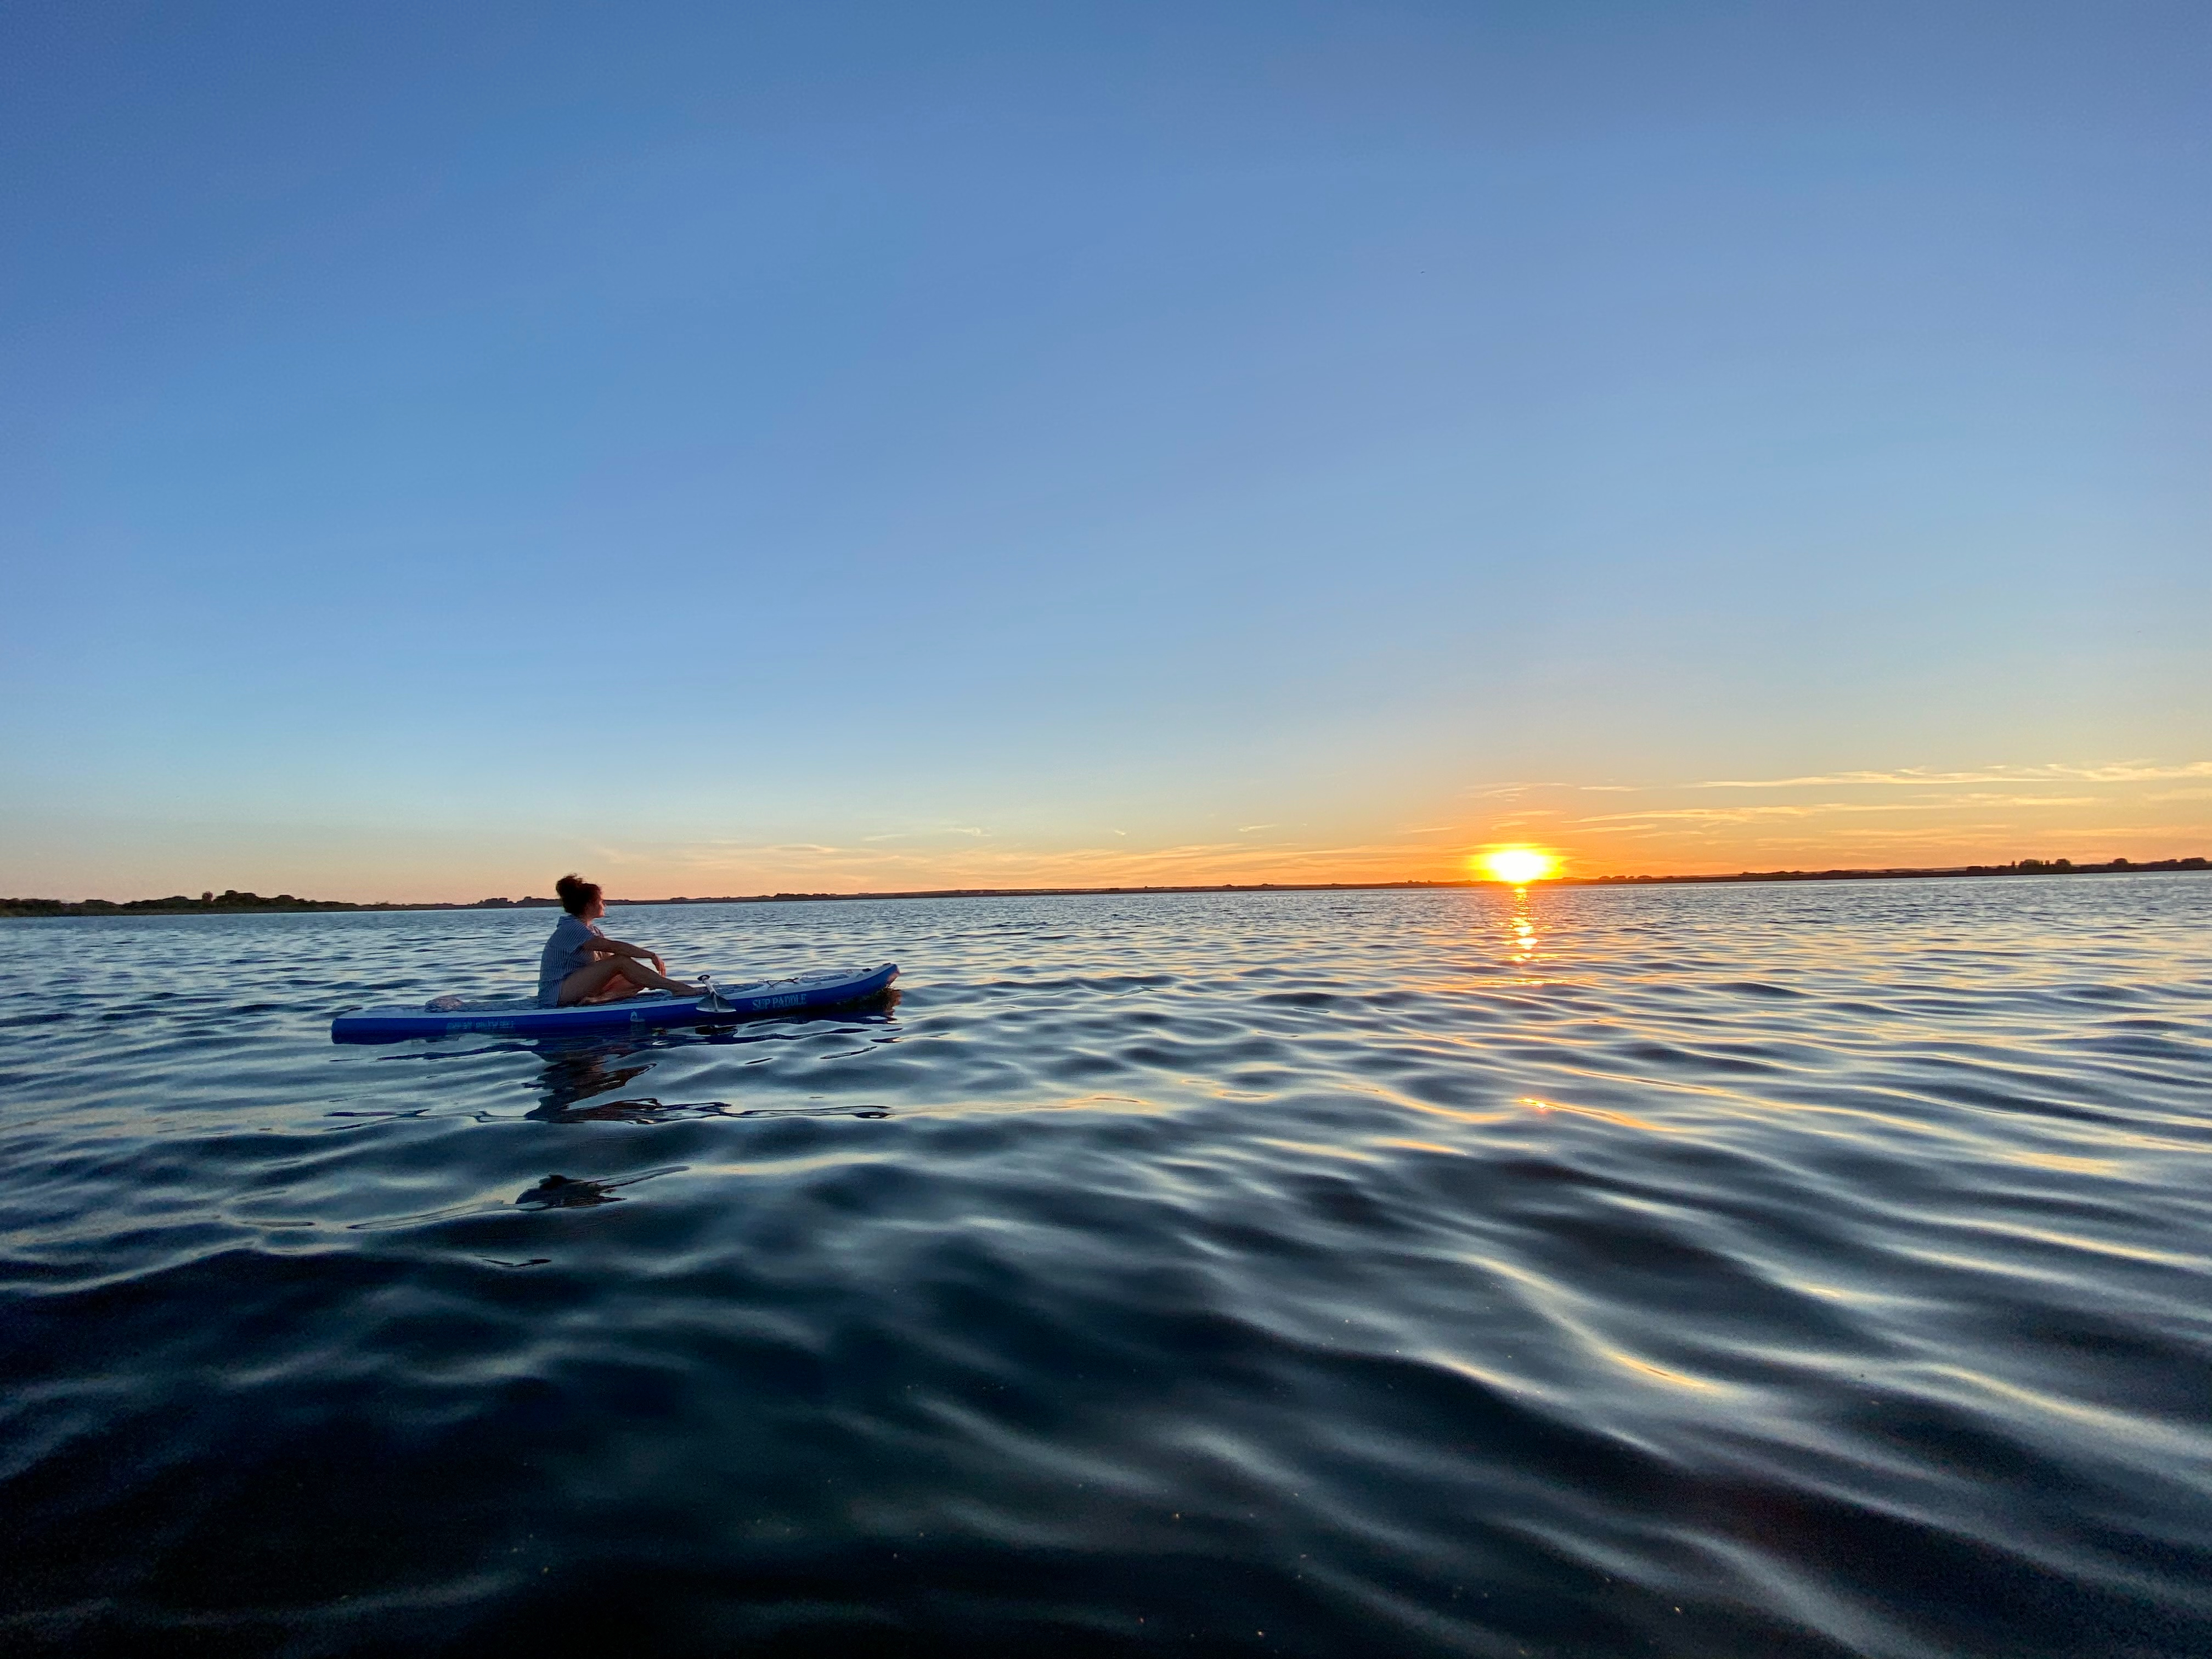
point(735, 448)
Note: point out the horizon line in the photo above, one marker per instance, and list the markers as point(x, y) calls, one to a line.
point(234, 899)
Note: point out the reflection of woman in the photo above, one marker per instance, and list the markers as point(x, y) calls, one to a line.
point(582, 964)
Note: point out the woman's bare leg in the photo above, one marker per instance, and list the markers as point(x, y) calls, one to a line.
point(625, 981)
point(588, 982)
point(612, 978)
point(647, 979)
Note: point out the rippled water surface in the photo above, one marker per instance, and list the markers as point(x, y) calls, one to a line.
point(1740, 1271)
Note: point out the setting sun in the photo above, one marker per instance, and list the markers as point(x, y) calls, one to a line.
point(1518, 865)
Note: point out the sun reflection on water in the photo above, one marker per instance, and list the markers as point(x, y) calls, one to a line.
point(1521, 928)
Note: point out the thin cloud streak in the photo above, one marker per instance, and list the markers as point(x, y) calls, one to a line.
point(2126, 772)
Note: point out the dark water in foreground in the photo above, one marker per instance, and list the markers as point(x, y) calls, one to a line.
point(1759, 1271)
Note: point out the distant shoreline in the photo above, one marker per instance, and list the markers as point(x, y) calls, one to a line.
point(234, 904)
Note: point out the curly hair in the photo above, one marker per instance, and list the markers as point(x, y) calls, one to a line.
point(576, 894)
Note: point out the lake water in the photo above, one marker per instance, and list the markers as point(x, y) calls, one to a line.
point(1756, 1270)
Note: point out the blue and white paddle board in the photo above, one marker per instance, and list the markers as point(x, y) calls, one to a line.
point(522, 1016)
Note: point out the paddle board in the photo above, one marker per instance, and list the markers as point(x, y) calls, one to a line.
point(522, 1016)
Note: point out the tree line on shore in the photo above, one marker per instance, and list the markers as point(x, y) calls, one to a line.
point(230, 901)
point(2024, 867)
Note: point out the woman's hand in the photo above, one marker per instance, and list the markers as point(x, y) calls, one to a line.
point(640, 953)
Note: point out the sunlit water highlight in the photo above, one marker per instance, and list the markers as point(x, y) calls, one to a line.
point(1749, 1271)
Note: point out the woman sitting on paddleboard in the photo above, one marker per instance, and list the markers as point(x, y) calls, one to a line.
point(582, 964)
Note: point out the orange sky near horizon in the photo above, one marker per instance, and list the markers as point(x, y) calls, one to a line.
point(2138, 810)
point(1863, 819)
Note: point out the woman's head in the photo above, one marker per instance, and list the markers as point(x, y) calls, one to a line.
point(577, 895)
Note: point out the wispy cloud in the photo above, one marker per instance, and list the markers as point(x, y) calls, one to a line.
point(1745, 814)
point(1986, 800)
point(1911, 777)
point(932, 833)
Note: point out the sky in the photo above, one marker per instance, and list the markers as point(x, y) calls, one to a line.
point(732, 448)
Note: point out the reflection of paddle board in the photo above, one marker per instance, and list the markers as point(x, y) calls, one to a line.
point(522, 1016)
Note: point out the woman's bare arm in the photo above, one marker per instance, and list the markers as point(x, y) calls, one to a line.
point(614, 947)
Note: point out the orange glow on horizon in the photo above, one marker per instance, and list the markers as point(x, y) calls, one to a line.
point(1517, 865)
